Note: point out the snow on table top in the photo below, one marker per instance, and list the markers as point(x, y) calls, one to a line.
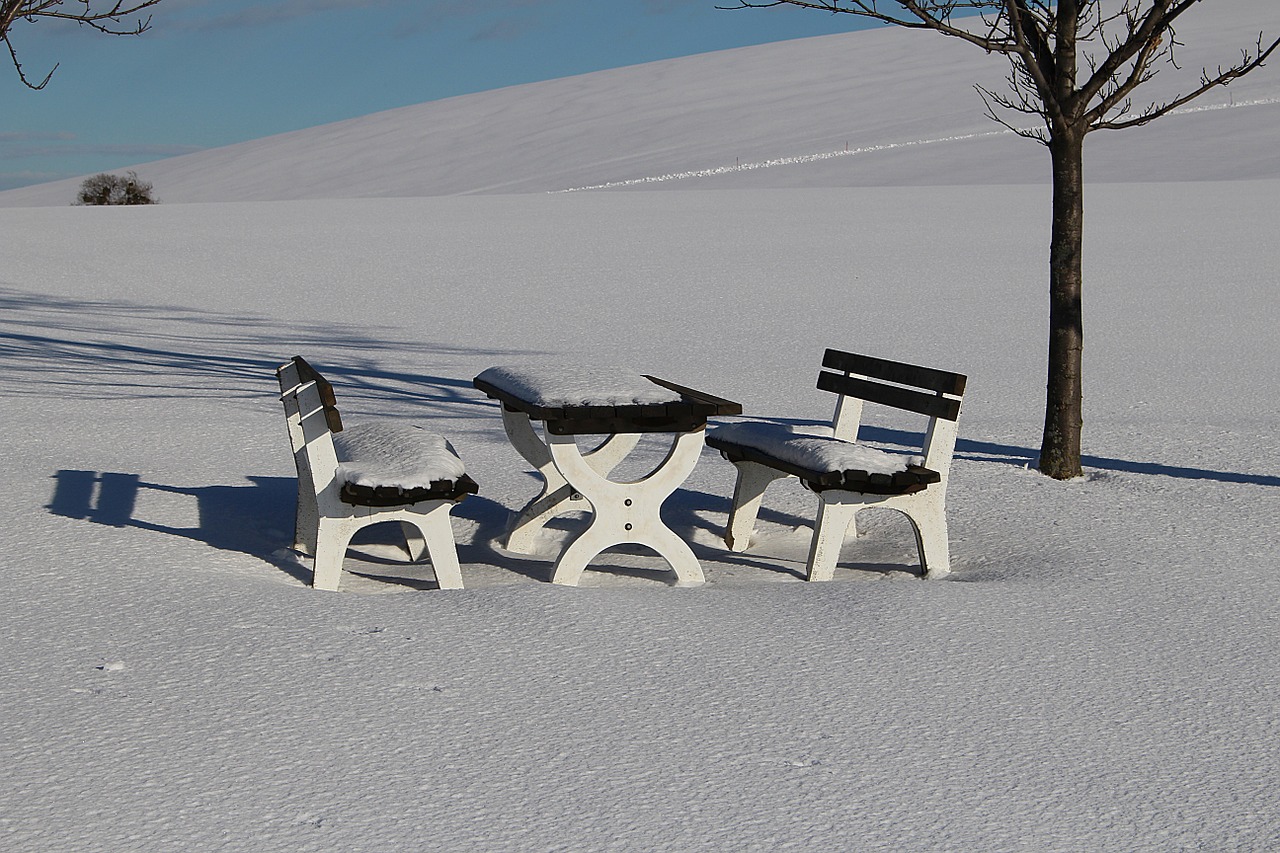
point(813, 450)
point(394, 455)
point(552, 386)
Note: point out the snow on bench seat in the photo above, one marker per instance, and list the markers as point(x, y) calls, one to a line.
point(398, 456)
point(822, 461)
point(811, 450)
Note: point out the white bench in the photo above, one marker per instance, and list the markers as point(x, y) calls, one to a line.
point(848, 476)
point(367, 474)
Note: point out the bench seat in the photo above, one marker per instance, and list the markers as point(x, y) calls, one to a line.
point(388, 464)
point(822, 461)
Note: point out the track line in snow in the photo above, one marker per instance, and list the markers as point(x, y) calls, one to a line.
point(777, 161)
point(849, 152)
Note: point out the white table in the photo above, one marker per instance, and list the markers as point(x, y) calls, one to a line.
point(621, 407)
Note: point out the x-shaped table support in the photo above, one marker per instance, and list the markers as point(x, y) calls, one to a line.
point(621, 512)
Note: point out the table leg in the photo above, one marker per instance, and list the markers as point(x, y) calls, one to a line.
point(627, 512)
point(557, 496)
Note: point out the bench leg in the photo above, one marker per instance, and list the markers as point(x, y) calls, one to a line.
point(307, 517)
point(753, 479)
point(929, 521)
point(829, 531)
point(414, 542)
point(835, 524)
point(437, 532)
point(333, 535)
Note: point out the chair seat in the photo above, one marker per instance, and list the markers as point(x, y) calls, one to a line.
point(387, 464)
point(822, 461)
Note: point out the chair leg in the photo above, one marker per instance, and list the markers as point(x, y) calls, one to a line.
point(929, 521)
point(829, 530)
point(414, 542)
point(332, 539)
point(307, 517)
point(437, 532)
point(753, 479)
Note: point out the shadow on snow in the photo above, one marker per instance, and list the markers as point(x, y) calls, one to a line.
point(985, 451)
point(103, 349)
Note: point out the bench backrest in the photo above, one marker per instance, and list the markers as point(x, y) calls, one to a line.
point(924, 390)
point(311, 413)
point(298, 371)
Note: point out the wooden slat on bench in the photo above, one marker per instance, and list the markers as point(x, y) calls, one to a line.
point(327, 398)
point(890, 395)
point(929, 378)
point(386, 496)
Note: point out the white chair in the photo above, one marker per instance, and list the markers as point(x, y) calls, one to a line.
point(367, 474)
point(847, 476)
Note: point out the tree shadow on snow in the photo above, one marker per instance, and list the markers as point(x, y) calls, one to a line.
point(1022, 457)
point(107, 349)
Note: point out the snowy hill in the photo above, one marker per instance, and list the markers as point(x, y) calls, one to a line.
point(872, 108)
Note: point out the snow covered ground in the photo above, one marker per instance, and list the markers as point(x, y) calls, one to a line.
point(1098, 672)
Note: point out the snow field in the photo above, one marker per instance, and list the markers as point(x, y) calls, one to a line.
point(1096, 674)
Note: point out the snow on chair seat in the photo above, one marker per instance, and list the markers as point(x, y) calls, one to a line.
point(367, 474)
point(383, 464)
point(823, 461)
point(847, 476)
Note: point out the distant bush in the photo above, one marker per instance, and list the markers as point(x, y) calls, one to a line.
point(114, 189)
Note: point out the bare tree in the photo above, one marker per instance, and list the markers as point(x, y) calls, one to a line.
point(1074, 66)
point(113, 17)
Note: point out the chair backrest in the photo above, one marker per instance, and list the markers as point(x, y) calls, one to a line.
point(297, 372)
point(289, 374)
point(925, 390)
point(292, 375)
point(311, 413)
point(314, 424)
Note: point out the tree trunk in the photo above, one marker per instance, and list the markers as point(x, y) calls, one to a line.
point(1060, 450)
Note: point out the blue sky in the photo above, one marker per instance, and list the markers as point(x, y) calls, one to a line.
point(215, 72)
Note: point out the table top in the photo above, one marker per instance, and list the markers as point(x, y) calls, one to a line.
point(688, 410)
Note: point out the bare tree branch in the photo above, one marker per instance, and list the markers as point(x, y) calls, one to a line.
point(113, 17)
point(22, 75)
point(919, 14)
point(1223, 77)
